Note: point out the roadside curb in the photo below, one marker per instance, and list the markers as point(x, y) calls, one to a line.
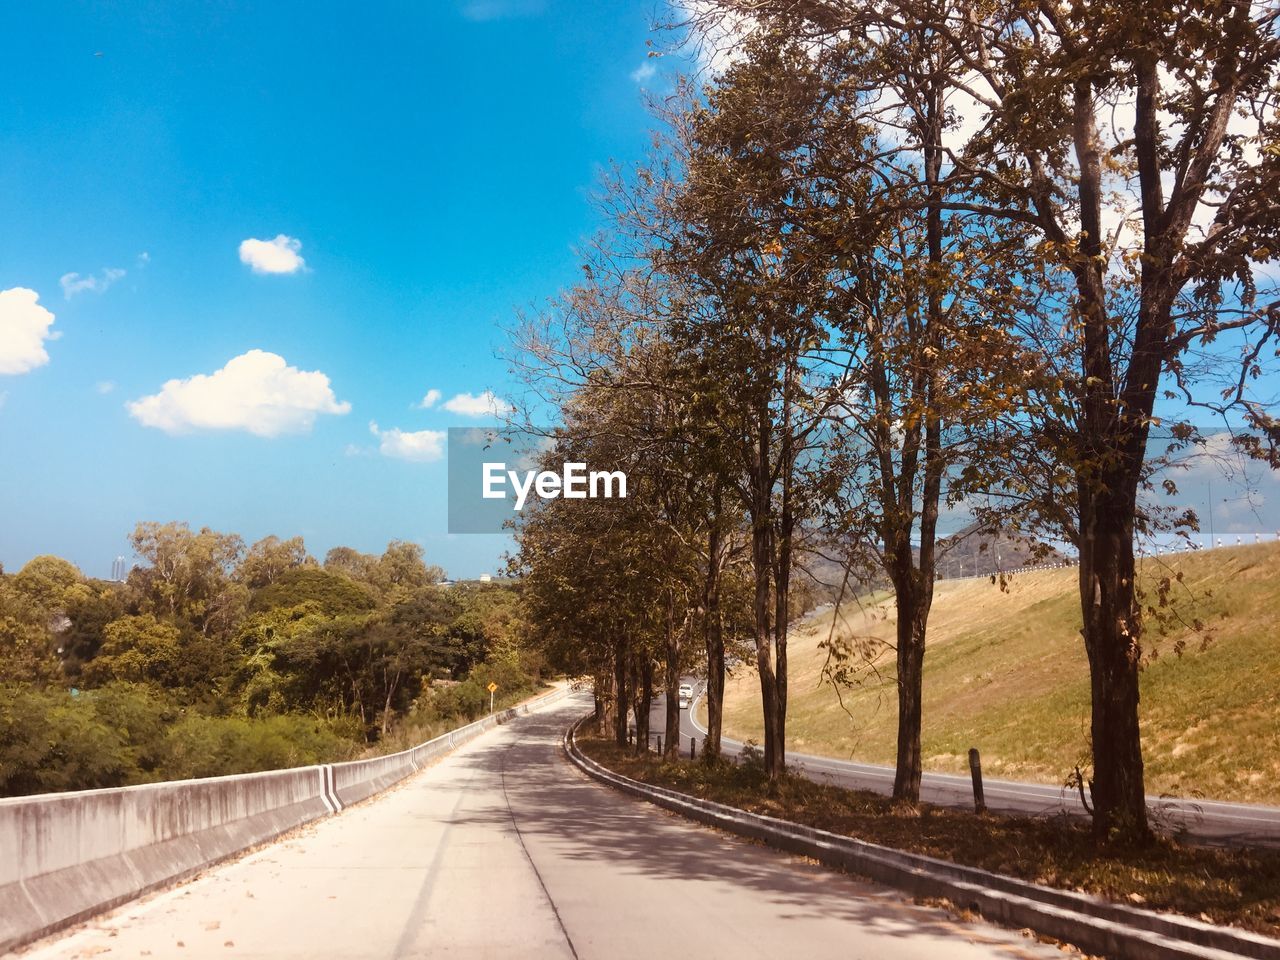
point(1091, 923)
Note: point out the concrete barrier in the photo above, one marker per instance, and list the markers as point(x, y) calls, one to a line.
point(67, 856)
point(64, 857)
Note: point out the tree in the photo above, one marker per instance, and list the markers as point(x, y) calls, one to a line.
point(754, 329)
point(603, 355)
point(351, 562)
point(269, 558)
point(332, 594)
point(188, 575)
point(48, 583)
point(593, 589)
point(89, 613)
point(1178, 278)
point(26, 649)
point(50, 741)
point(1136, 141)
point(402, 568)
point(138, 649)
point(398, 572)
point(452, 638)
point(358, 665)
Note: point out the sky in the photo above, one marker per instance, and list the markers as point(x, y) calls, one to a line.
point(254, 255)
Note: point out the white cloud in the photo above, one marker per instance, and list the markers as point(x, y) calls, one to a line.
point(24, 327)
point(272, 256)
point(643, 72)
point(73, 283)
point(422, 446)
point(256, 391)
point(430, 400)
point(144, 258)
point(480, 405)
point(105, 386)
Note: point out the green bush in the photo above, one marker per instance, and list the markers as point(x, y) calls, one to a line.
point(52, 741)
point(469, 699)
point(126, 733)
point(199, 746)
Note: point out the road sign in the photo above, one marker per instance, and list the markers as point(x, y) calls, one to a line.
point(492, 686)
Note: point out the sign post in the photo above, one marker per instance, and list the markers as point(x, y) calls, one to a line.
point(492, 687)
point(975, 769)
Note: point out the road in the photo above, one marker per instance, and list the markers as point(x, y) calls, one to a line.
point(503, 849)
point(1204, 821)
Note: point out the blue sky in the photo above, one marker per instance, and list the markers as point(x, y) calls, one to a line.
point(413, 173)
point(305, 216)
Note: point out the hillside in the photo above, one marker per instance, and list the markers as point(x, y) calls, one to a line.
point(1006, 672)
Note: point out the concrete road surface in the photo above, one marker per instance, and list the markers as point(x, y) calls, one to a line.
point(1203, 821)
point(504, 850)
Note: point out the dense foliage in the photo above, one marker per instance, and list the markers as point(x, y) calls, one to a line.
point(214, 659)
point(903, 258)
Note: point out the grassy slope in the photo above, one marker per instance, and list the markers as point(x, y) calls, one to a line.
point(1006, 672)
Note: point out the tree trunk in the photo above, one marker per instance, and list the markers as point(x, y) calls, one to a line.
point(671, 743)
point(907, 772)
point(713, 638)
point(602, 692)
point(1112, 639)
point(913, 584)
point(715, 680)
point(644, 705)
point(780, 544)
point(620, 692)
point(634, 706)
point(386, 707)
point(762, 567)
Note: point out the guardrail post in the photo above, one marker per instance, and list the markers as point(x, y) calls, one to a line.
point(975, 768)
point(693, 749)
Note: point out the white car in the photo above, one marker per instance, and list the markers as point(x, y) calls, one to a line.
point(686, 695)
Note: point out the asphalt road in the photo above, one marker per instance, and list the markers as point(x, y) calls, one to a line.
point(1204, 821)
point(504, 850)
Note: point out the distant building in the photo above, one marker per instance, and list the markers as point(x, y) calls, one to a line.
point(486, 578)
point(119, 570)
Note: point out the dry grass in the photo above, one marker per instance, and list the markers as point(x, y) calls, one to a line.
point(1239, 887)
point(1005, 671)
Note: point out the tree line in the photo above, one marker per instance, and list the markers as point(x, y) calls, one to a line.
point(214, 657)
point(894, 258)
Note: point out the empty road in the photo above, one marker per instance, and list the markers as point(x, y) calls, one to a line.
point(505, 850)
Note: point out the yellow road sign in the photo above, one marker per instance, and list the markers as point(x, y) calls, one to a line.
point(492, 686)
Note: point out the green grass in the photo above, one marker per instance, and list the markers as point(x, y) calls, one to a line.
point(1005, 671)
point(1239, 887)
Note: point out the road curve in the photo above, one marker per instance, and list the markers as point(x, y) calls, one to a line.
point(503, 849)
point(1204, 821)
